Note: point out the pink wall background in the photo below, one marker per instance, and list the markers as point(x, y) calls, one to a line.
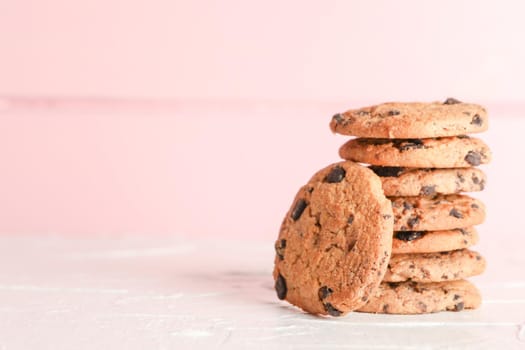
point(204, 117)
point(321, 50)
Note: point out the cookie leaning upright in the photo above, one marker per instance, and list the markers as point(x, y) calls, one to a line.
point(335, 241)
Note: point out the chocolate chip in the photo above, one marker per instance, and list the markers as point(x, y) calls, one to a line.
point(456, 296)
point(386, 216)
point(386, 171)
point(412, 222)
point(385, 308)
point(408, 236)
point(298, 209)
point(393, 112)
point(393, 284)
point(324, 292)
point(332, 311)
point(279, 248)
point(337, 174)
point(463, 137)
point(461, 178)
point(455, 213)
point(482, 185)
point(473, 158)
point(475, 179)
point(351, 245)
point(474, 206)
point(463, 231)
point(338, 118)
point(280, 287)
point(428, 190)
point(350, 219)
point(476, 120)
point(459, 306)
point(407, 206)
point(451, 101)
point(407, 144)
point(444, 277)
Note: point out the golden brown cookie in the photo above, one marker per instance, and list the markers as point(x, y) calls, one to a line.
point(433, 241)
point(421, 298)
point(434, 267)
point(414, 182)
point(335, 241)
point(444, 152)
point(434, 213)
point(412, 120)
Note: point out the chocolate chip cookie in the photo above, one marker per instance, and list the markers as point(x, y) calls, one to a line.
point(421, 298)
point(433, 241)
point(414, 182)
point(434, 213)
point(434, 267)
point(443, 152)
point(335, 241)
point(412, 120)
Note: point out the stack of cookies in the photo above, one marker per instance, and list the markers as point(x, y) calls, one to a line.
point(393, 237)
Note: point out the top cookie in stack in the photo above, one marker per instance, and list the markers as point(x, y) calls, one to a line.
point(396, 120)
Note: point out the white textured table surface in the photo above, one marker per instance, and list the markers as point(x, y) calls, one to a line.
point(172, 292)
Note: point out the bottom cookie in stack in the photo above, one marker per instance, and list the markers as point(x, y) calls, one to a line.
point(419, 298)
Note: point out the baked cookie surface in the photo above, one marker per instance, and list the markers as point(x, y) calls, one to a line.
point(434, 267)
point(422, 298)
point(433, 241)
point(412, 120)
point(335, 241)
point(443, 152)
point(399, 181)
point(435, 213)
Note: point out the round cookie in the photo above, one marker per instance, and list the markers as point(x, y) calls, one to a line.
point(434, 213)
point(421, 298)
point(414, 181)
point(433, 241)
point(412, 120)
point(335, 241)
point(443, 152)
point(434, 267)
